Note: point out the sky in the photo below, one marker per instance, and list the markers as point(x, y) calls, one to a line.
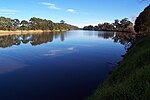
point(76, 12)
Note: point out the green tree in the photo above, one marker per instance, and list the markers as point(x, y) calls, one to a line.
point(62, 22)
point(142, 23)
point(90, 27)
point(16, 24)
point(50, 25)
point(123, 25)
point(24, 25)
point(125, 22)
point(116, 24)
point(107, 26)
point(5, 23)
point(33, 24)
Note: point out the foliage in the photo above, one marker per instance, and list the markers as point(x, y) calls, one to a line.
point(131, 80)
point(118, 25)
point(142, 23)
point(24, 25)
point(62, 22)
point(33, 24)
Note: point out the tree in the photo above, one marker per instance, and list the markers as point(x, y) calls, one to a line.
point(90, 27)
point(116, 23)
point(24, 25)
point(33, 24)
point(16, 23)
point(125, 22)
point(107, 26)
point(50, 25)
point(142, 23)
point(62, 22)
point(100, 27)
point(5, 23)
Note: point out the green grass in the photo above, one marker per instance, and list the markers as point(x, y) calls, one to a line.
point(131, 79)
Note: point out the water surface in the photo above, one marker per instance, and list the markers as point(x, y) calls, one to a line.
point(56, 66)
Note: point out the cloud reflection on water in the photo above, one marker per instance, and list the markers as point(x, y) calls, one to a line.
point(13, 65)
point(59, 52)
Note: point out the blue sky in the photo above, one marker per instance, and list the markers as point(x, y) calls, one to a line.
point(76, 12)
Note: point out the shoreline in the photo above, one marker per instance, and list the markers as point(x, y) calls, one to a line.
point(130, 75)
point(19, 32)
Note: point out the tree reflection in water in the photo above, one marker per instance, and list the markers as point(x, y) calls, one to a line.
point(121, 37)
point(124, 38)
point(33, 39)
point(106, 35)
point(40, 38)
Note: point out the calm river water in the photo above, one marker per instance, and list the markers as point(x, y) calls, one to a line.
point(57, 66)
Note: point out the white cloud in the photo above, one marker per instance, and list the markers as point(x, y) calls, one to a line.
point(50, 5)
point(8, 11)
point(71, 10)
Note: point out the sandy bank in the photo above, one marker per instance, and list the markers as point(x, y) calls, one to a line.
point(19, 32)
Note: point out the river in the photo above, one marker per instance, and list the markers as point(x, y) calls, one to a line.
point(57, 66)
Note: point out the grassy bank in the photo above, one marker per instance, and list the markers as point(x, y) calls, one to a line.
point(131, 79)
point(18, 32)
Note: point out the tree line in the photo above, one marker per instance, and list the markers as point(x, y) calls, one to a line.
point(142, 24)
point(33, 24)
point(118, 25)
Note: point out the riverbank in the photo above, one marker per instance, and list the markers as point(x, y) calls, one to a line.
point(19, 32)
point(131, 79)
